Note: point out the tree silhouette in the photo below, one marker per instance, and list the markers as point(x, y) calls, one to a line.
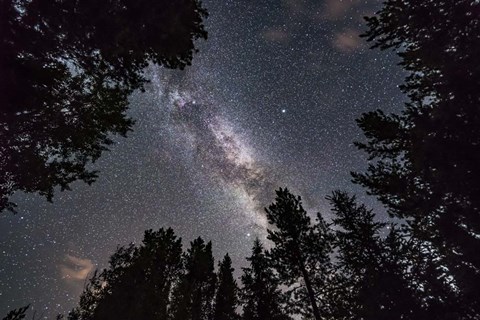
point(376, 271)
point(193, 298)
point(17, 314)
point(67, 69)
point(359, 250)
point(301, 252)
point(261, 296)
point(139, 282)
point(425, 166)
point(438, 293)
point(226, 298)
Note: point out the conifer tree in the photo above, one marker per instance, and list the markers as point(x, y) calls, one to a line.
point(193, 299)
point(138, 283)
point(17, 314)
point(261, 296)
point(301, 252)
point(424, 164)
point(226, 298)
point(375, 271)
point(67, 69)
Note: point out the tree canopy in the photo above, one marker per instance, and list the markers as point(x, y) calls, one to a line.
point(193, 298)
point(351, 268)
point(425, 160)
point(261, 295)
point(301, 252)
point(67, 69)
point(138, 283)
point(226, 297)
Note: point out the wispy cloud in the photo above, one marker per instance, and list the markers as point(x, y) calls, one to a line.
point(75, 269)
point(276, 35)
point(347, 41)
point(337, 9)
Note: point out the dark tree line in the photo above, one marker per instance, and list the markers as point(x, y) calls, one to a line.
point(347, 269)
point(67, 68)
point(352, 268)
point(158, 280)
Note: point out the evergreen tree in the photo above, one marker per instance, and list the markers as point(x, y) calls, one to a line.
point(437, 292)
point(358, 252)
point(226, 299)
point(374, 271)
point(425, 167)
point(301, 252)
point(138, 284)
point(261, 296)
point(17, 314)
point(193, 298)
point(67, 68)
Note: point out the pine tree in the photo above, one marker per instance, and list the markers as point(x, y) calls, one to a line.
point(301, 251)
point(17, 314)
point(226, 298)
point(358, 252)
point(261, 296)
point(375, 272)
point(425, 161)
point(67, 69)
point(139, 282)
point(193, 298)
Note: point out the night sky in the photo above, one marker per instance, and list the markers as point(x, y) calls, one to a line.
point(270, 101)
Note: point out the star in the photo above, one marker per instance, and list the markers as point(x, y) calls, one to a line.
point(205, 156)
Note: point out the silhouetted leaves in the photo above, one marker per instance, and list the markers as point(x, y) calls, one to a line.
point(301, 252)
point(353, 268)
point(193, 298)
point(67, 68)
point(139, 282)
point(226, 297)
point(262, 297)
point(425, 161)
point(17, 314)
point(374, 271)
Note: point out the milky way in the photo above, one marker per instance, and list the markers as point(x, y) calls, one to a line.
point(269, 101)
point(198, 130)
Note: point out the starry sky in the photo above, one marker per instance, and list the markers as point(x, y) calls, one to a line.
point(270, 101)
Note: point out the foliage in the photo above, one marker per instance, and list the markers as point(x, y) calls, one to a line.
point(375, 270)
point(301, 251)
point(261, 294)
point(353, 268)
point(425, 160)
point(193, 298)
point(226, 297)
point(17, 314)
point(139, 282)
point(67, 69)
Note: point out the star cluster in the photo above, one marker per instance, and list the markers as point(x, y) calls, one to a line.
point(270, 101)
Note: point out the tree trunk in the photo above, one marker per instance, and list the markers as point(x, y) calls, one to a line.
point(311, 294)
